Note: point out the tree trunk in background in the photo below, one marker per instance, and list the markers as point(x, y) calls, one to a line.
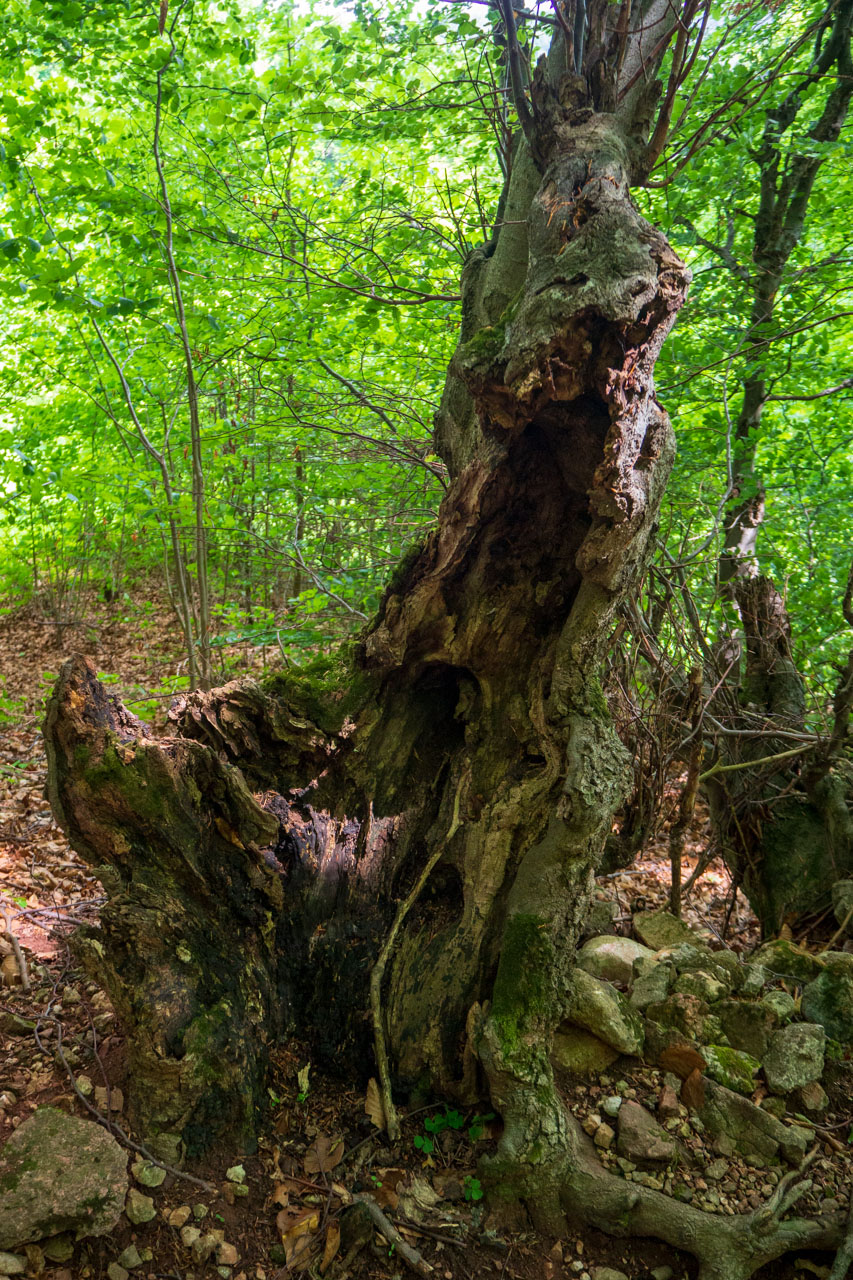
point(785, 830)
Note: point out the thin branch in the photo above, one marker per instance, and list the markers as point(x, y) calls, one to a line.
point(817, 395)
point(525, 117)
point(751, 764)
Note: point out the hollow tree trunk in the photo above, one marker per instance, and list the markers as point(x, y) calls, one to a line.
point(472, 733)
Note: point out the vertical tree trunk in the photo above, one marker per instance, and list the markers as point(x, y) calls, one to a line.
point(782, 828)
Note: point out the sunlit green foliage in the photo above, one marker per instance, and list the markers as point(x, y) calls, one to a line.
point(328, 170)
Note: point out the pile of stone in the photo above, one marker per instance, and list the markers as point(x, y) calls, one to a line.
point(731, 1064)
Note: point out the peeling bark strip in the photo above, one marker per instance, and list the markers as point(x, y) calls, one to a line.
point(475, 724)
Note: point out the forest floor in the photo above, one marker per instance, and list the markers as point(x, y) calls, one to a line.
point(319, 1147)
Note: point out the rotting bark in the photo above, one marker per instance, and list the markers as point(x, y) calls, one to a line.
point(472, 722)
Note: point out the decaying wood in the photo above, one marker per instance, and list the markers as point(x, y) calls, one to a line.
point(454, 780)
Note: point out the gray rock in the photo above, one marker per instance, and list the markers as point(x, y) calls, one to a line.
point(115, 1272)
point(747, 1025)
point(658, 929)
point(754, 978)
point(580, 1053)
point(610, 1106)
point(652, 982)
point(651, 986)
point(130, 1258)
point(794, 1057)
point(12, 1264)
point(611, 958)
point(139, 1208)
point(641, 1138)
point(60, 1173)
point(601, 1009)
point(606, 1273)
point(738, 1124)
point(697, 982)
point(829, 1001)
point(781, 1005)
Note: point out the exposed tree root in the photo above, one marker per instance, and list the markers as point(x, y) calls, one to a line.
point(844, 1256)
point(576, 1189)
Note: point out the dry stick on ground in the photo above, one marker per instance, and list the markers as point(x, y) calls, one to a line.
point(384, 1225)
point(110, 1125)
point(16, 948)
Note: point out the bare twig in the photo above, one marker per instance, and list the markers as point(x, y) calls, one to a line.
point(16, 948)
point(410, 1256)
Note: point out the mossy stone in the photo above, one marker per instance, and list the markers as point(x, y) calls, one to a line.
point(829, 1001)
point(659, 929)
point(731, 1068)
point(783, 959)
point(581, 1053)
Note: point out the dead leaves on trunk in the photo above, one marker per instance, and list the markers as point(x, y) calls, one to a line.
point(323, 1154)
point(297, 1229)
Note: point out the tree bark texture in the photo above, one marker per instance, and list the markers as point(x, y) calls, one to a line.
point(258, 857)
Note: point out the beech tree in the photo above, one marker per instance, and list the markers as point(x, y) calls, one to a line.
point(399, 853)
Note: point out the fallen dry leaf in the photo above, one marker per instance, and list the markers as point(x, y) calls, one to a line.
point(693, 1091)
point(333, 1243)
point(296, 1228)
point(682, 1060)
point(281, 1195)
point(323, 1154)
point(373, 1107)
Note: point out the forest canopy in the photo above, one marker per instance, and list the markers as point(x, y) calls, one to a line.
point(328, 172)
